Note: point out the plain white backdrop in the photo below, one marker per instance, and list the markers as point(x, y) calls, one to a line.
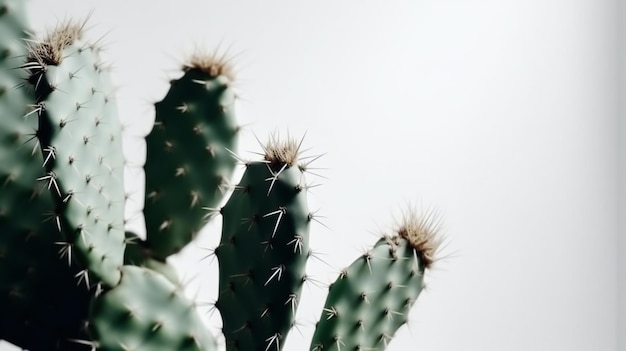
point(503, 115)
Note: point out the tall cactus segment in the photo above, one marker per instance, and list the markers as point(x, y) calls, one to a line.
point(80, 136)
point(371, 298)
point(263, 250)
point(146, 312)
point(41, 306)
point(188, 164)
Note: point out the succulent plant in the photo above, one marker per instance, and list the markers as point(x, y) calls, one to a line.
point(72, 278)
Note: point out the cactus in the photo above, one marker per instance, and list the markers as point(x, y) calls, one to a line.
point(62, 200)
point(371, 298)
point(80, 137)
point(263, 249)
point(189, 162)
point(40, 303)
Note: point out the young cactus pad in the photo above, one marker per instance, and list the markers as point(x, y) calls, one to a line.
point(263, 250)
point(80, 136)
point(189, 162)
point(147, 312)
point(372, 298)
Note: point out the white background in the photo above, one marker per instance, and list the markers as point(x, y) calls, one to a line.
point(503, 115)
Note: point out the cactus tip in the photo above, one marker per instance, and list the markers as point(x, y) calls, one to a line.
point(50, 49)
point(211, 64)
point(422, 231)
point(283, 152)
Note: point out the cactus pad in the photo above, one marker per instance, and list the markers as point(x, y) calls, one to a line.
point(371, 298)
point(41, 306)
point(188, 163)
point(80, 136)
point(146, 312)
point(263, 251)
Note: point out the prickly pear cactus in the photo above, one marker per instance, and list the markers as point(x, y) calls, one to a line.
point(189, 163)
point(263, 250)
point(62, 218)
point(371, 298)
point(80, 137)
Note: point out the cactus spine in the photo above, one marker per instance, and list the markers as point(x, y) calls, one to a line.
point(129, 298)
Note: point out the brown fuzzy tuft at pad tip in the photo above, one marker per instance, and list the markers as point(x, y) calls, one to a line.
point(421, 230)
point(279, 152)
point(211, 64)
point(49, 51)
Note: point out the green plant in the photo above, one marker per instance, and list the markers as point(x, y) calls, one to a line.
point(63, 200)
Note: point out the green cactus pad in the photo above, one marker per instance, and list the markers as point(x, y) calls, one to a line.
point(188, 165)
point(146, 312)
point(372, 298)
point(41, 306)
point(80, 136)
point(263, 251)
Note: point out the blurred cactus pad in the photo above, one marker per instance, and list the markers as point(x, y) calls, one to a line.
point(73, 277)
